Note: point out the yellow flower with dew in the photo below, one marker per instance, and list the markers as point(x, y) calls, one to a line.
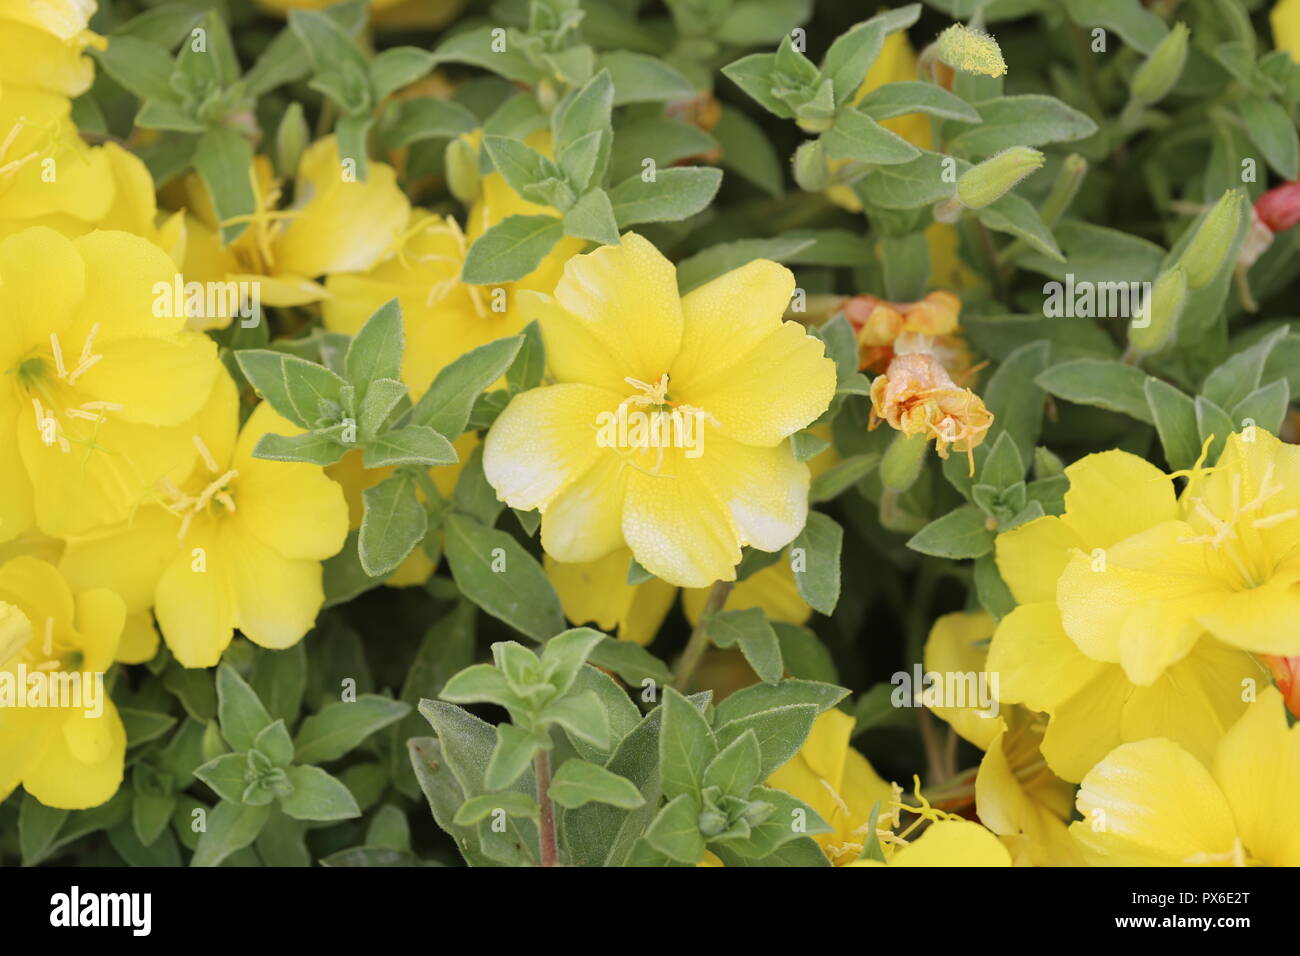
point(95, 388)
point(1094, 705)
point(1224, 563)
point(834, 779)
point(43, 44)
point(1151, 803)
point(237, 544)
point(1014, 792)
point(336, 223)
point(69, 752)
point(718, 362)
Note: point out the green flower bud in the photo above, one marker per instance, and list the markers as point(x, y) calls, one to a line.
point(291, 139)
point(1154, 326)
point(996, 176)
point(971, 51)
point(461, 159)
point(1158, 74)
point(1047, 464)
point(1211, 247)
point(903, 459)
point(810, 169)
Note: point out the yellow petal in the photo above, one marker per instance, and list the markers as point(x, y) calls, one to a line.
point(100, 617)
point(1258, 767)
point(953, 843)
point(129, 560)
point(764, 489)
point(1036, 663)
point(958, 644)
point(42, 283)
point(59, 776)
point(276, 598)
point(772, 589)
point(1260, 619)
point(584, 521)
point(156, 381)
point(121, 273)
point(1031, 557)
point(194, 605)
point(1114, 494)
point(1151, 803)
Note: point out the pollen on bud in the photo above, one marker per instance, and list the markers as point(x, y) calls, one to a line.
point(971, 51)
point(1205, 255)
point(1279, 208)
point(996, 176)
point(1161, 70)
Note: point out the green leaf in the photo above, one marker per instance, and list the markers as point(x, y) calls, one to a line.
point(857, 136)
point(735, 770)
point(314, 448)
point(1015, 400)
point(851, 55)
point(639, 78)
point(1241, 373)
point(511, 802)
point(240, 713)
point(1174, 415)
point(674, 194)
point(397, 67)
point(376, 351)
point(1273, 132)
point(579, 782)
point(592, 217)
point(1101, 382)
point(1017, 217)
point(275, 744)
point(519, 593)
point(382, 396)
point(751, 630)
point(675, 831)
point(584, 112)
point(755, 74)
point(425, 118)
point(920, 182)
point(230, 828)
point(1265, 407)
point(746, 151)
point(1135, 24)
point(292, 386)
point(722, 258)
point(1212, 421)
point(817, 573)
point(779, 828)
point(1027, 120)
point(630, 661)
point(582, 715)
point(226, 775)
point(222, 160)
point(961, 533)
point(686, 747)
point(445, 407)
point(412, 445)
point(344, 725)
point(318, 796)
point(529, 366)
point(512, 755)
point(38, 828)
point(781, 731)
point(913, 96)
point(141, 66)
point(518, 163)
point(393, 524)
point(511, 249)
point(842, 475)
point(564, 654)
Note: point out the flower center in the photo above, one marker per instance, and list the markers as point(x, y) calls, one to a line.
point(1235, 535)
point(49, 378)
point(52, 653)
point(216, 492)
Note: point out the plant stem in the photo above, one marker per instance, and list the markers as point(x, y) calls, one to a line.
point(698, 643)
point(546, 824)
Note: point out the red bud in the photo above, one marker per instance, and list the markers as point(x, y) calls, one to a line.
point(1286, 672)
point(1279, 208)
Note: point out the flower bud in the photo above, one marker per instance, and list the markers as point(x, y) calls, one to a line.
point(903, 459)
point(1286, 672)
point(971, 51)
point(462, 162)
point(1205, 255)
point(996, 176)
point(1153, 327)
point(810, 169)
point(1158, 74)
point(290, 140)
point(1279, 208)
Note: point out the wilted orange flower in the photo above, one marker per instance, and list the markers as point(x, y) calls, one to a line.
point(917, 396)
point(879, 323)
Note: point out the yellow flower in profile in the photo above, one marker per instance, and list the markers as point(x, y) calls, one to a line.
point(336, 224)
point(1015, 793)
point(597, 591)
point(1225, 563)
point(718, 363)
point(1151, 803)
point(68, 756)
point(95, 387)
point(834, 779)
point(1094, 705)
point(236, 544)
point(42, 45)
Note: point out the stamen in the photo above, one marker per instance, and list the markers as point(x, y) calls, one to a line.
point(206, 455)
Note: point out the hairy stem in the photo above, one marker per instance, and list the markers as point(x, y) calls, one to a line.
point(546, 823)
point(698, 643)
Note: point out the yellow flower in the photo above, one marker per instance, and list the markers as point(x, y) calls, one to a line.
point(1015, 794)
point(948, 843)
point(597, 591)
point(68, 756)
point(1225, 563)
point(1151, 803)
point(42, 44)
point(836, 781)
point(336, 224)
point(1094, 705)
point(94, 386)
point(236, 544)
point(1284, 18)
point(718, 363)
